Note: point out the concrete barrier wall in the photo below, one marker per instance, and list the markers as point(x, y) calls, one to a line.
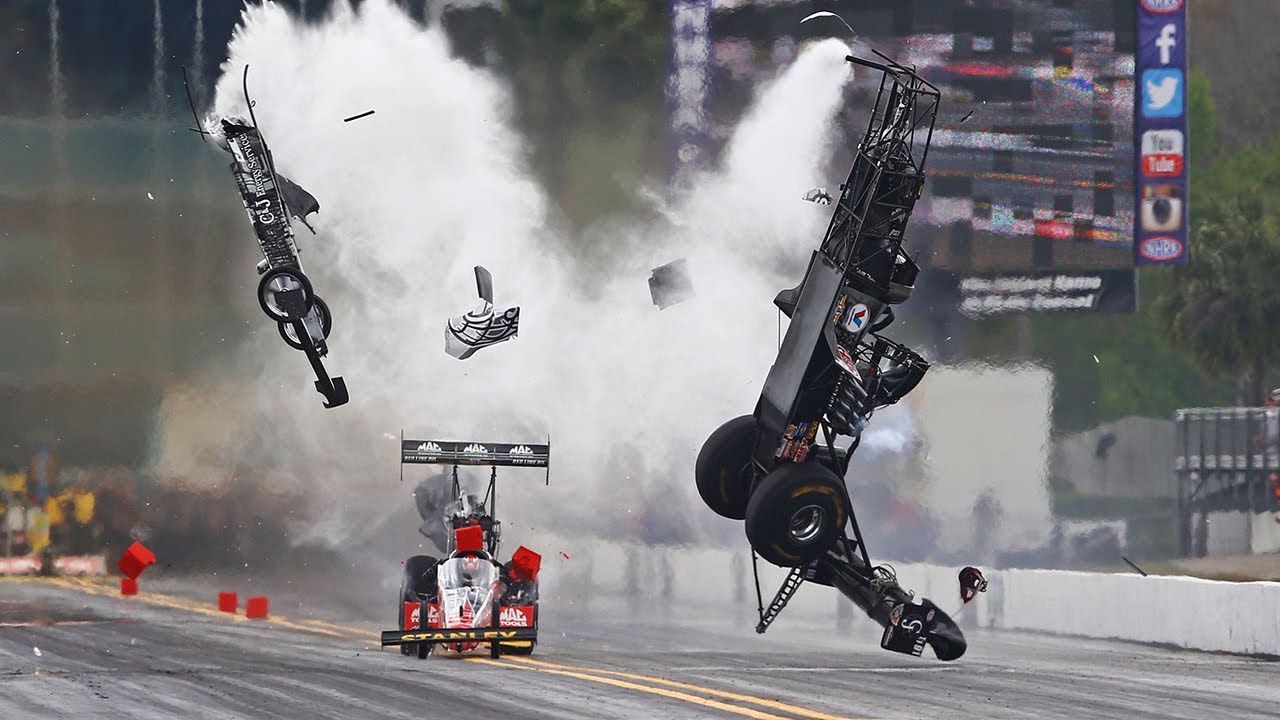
point(1265, 533)
point(1175, 610)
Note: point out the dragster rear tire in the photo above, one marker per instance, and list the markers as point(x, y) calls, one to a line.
point(723, 470)
point(412, 587)
point(796, 514)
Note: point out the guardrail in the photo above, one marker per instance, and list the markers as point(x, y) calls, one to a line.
point(1186, 612)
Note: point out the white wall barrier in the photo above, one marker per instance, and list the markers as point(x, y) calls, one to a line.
point(1174, 610)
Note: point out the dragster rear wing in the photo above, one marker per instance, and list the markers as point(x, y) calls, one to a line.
point(450, 452)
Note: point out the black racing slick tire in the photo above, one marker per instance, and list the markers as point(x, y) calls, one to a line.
point(796, 514)
point(723, 470)
point(417, 584)
point(326, 325)
point(277, 305)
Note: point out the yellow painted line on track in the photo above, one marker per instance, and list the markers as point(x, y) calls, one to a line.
point(763, 702)
point(192, 606)
point(627, 680)
point(704, 702)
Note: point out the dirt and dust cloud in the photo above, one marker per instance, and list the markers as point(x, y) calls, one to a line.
point(437, 181)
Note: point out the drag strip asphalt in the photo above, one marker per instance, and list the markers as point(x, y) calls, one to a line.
point(75, 648)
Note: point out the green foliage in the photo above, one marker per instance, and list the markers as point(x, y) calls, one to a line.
point(588, 78)
point(1221, 307)
point(1137, 372)
point(1202, 123)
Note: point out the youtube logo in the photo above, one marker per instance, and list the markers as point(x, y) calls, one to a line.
point(1162, 153)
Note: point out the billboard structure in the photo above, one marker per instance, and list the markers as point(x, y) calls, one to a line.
point(1033, 201)
point(1160, 122)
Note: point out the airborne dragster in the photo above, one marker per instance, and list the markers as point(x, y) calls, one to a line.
point(781, 469)
point(284, 290)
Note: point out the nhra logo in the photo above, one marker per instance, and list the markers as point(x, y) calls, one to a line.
point(476, 448)
point(1160, 248)
point(520, 450)
point(429, 447)
point(1161, 6)
point(514, 617)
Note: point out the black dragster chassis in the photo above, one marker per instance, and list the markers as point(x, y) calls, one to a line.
point(833, 370)
point(284, 290)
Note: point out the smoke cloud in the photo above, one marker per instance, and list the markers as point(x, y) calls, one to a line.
point(437, 181)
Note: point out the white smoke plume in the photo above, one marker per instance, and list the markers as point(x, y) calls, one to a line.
point(435, 182)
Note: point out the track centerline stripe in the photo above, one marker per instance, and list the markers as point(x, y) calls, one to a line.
point(705, 702)
point(764, 702)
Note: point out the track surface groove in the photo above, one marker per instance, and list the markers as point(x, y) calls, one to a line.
point(170, 655)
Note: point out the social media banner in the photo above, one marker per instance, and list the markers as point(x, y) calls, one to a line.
point(1160, 133)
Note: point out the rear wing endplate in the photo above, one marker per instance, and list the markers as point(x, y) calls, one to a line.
point(452, 452)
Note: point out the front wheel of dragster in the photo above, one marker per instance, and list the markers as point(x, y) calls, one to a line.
point(796, 514)
point(723, 470)
point(285, 294)
point(326, 325)
point(416, 586)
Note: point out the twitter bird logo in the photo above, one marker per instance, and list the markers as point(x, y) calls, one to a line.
point(1162, 93)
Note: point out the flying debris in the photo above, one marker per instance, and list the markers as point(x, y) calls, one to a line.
point(670, 284)
point(824, 13)
point(966, 117)
point(270, 199)
point(1135, 567)
point(482, 327)
point(818, 195)
point(357, 117)
point(971, 583)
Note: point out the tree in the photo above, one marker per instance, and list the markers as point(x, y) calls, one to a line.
point(588, 78)
point(1222, 306)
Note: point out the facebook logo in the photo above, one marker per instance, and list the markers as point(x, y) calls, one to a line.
point(1162, 42)
point(1166, 41)
point(1162, 93)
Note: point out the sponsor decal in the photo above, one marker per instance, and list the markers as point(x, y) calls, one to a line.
point(516, 616)
point(1160, 248)
point(412, 614)
point(835, 316)
point(520, 450)
point(929, 617)
point(476, 448)
point(20, 565)
point(80, 565)
point(845, 360)
point(1161, 6)
point(433, 615)
point(429, 447)
point(895, 615)
point(857, 318)
point(459, 635)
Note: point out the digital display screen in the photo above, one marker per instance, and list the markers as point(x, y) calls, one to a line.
point(1033, 157)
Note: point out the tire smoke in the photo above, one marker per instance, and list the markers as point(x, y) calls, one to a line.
point(437, 182)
